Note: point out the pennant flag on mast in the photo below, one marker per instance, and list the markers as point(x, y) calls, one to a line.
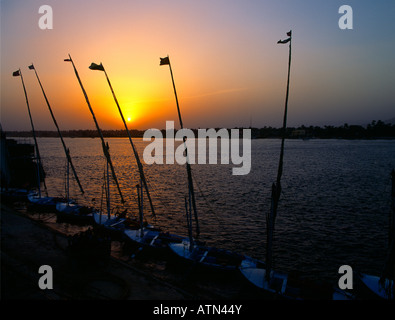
point(105, 148)
point(95, 66)
point(276, 187)
point(40, 169)
point(164, 61)
point(31, 67)
point(289, 34)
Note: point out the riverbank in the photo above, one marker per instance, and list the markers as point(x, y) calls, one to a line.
point(27, 244)
point(29, 241)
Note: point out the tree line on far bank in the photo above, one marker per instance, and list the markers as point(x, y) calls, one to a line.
point(374, 130)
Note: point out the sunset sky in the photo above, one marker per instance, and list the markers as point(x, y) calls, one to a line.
point(228, 68)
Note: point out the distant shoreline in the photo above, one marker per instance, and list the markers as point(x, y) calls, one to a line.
point(374, 130)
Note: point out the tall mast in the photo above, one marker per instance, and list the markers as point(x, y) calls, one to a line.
point(276, 187)
point(166, 61)
point(100, 67)
point(31, 67)
point(39, 165)
point(104, 147)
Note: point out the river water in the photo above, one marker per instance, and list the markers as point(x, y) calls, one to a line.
point(333, 209)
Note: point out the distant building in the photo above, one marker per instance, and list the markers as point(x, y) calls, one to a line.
point(18, 167)
point(298, 134)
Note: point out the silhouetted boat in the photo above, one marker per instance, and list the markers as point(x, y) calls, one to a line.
point(289, 286)
point(200, 256)
point(49, 203)
point(189, 250)
point(74, 213)
point(151, 240)
point(147, 238)
point(35, 198)
point(113, 223)
point(69, 211)
point(63, 205)
point(205, 257)
point(42, 204)
point(142, 235)
point(375, 287)
point(260, 274)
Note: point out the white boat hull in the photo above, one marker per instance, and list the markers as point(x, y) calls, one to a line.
point(383, 290)
point(105, 220)
point(152, 238)
point(44, 203)
point(74, 213)
point(207, 257)
point(257, 276)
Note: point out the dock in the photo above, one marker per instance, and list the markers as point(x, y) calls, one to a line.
point(27, 244)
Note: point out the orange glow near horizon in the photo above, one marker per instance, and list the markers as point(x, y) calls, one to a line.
point(227, 65)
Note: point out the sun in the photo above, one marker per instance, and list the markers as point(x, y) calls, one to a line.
point(129, 119)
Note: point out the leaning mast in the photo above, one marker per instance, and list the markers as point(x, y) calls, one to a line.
point(276, 187)
point(100, 67)
point(31, 67)
point(39, 165)
point(104, 146)
point(166, 61)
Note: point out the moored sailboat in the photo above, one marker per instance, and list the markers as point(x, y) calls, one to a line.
point(74, 213)
point(70, 211)
point(195, 253)
point(143, 235)
point(35, 197)
point(261, 274)
point(40, 175)
point(189, 250)
point(113, 222)
point(147, 238)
